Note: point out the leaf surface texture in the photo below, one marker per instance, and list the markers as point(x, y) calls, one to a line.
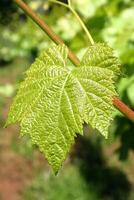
point(54, 101)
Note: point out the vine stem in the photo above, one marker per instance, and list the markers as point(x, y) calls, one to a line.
point(77, 17)
point(41, 23)
point(123, 108)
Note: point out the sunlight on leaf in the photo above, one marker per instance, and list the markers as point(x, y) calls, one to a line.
point(54, 101)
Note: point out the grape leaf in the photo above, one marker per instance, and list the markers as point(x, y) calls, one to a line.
point(54, 101)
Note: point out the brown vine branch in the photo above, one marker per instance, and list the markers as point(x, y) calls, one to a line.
point(41, 23)
point(123, 108)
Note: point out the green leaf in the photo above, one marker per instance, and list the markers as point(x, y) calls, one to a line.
point(54, 101)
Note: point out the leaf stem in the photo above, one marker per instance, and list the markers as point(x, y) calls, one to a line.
point(41, 23)
point(77, 17)
point(60, 3)
point(69, 2)
point(83, 25)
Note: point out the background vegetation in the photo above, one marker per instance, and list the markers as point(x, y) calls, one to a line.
point(96, 169)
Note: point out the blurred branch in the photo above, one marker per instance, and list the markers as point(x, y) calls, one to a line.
point(117, 103)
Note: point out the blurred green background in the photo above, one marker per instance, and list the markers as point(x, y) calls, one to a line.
point(96, 169)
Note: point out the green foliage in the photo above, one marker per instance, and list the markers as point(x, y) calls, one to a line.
point(21, 37)
point(121, 35)
point(88, 11)
point(54, 101)
point(7, 12)
point(6, 90)
point(68, 185)
point(22, 41)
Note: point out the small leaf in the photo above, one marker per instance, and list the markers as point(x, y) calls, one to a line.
point(53, 101)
